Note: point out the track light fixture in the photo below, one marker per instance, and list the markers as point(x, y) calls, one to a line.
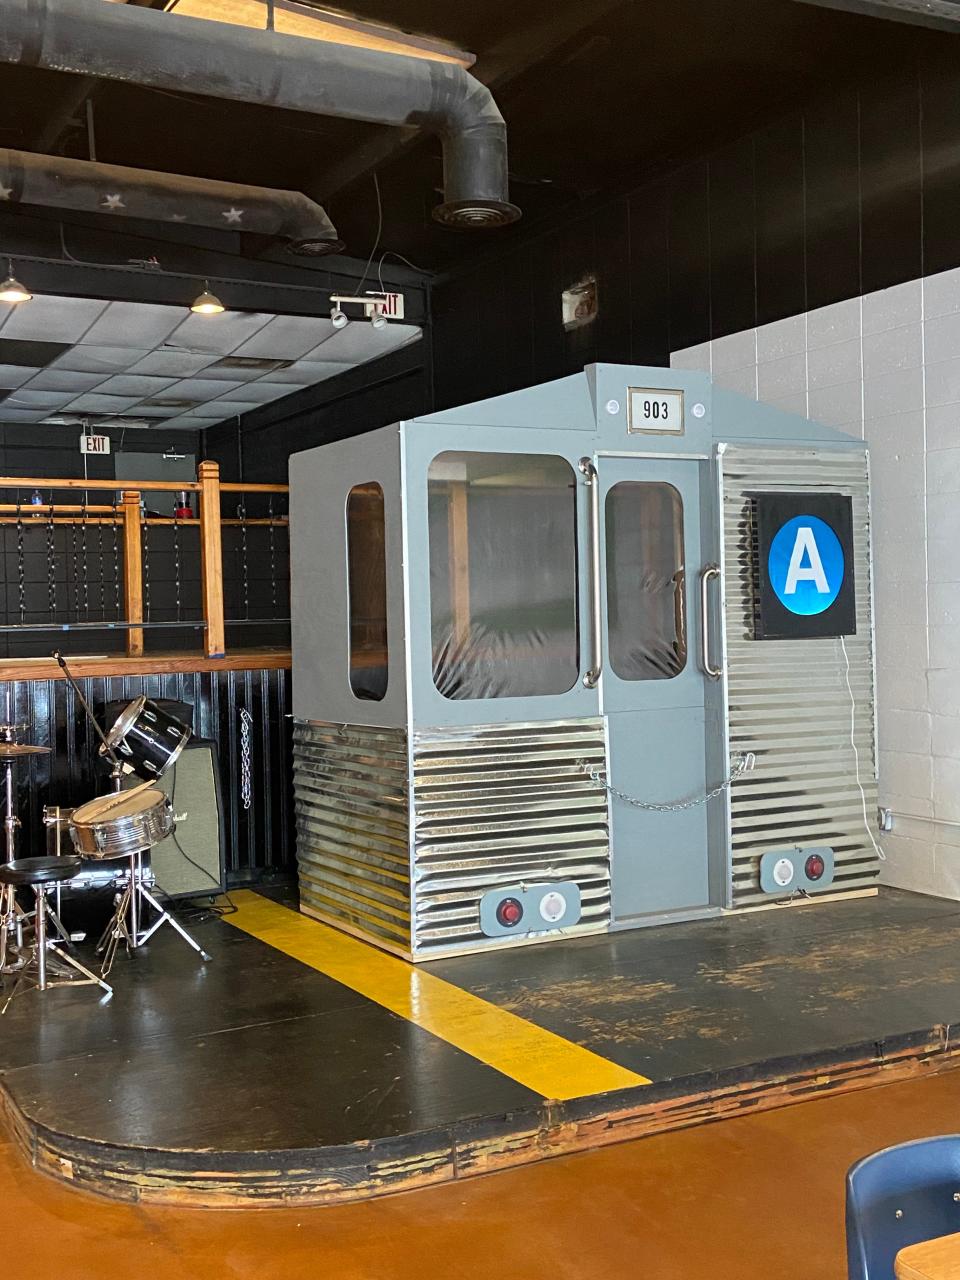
point(11, 290)
point(207, 303)
point(373, 309)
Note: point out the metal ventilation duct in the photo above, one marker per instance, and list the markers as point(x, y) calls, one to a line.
point(145, 46)
point(87, 186)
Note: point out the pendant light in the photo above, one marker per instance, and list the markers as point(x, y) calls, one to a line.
point(11, 290)
point(207, 303)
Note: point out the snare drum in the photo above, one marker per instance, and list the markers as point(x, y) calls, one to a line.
point(121, 824)
point(147, 739)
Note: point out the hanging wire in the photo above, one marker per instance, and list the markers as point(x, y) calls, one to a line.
point(103, 593)
point(176, 559)
point(117, 516)
point(376, 239)
point(85, 573)
point(145, 542)
point(21, 567)
point(244, 566)
point(273, 558)
point(51, 564)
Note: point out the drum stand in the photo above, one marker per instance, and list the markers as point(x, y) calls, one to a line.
point(124, 925)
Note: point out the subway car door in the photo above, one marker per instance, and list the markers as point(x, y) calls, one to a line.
point(647, 529)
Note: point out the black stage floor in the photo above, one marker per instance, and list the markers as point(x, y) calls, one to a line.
point(260, 1077)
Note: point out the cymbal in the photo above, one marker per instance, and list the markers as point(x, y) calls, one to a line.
point(10, 750)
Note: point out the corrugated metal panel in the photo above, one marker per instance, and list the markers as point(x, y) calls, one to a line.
point(788, 700)
point(352, 814)
point(258, 841)
point(501, 804)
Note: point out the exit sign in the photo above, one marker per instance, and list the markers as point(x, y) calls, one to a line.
point(392, 305)
point(94, 444)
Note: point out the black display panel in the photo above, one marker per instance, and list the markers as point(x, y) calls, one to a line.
point(805, 587)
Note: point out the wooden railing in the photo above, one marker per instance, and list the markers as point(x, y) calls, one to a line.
point(127, 513)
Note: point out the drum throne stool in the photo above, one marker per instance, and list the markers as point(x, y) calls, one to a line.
point(39, 874)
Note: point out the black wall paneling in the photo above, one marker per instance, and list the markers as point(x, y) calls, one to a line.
point(855, 191)
point(259, 839)
point(890, 182)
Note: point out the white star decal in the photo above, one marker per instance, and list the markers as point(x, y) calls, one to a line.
point(232, 215)
point(5, 192)
point(113, 202)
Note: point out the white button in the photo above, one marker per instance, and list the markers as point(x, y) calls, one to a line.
point(782, 871)
point(553, 906)
point(613, 406)
point(699, 410)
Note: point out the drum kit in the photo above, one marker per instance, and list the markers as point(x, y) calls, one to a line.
point(110, 836)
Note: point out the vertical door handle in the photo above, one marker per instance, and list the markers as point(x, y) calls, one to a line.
point(592, 480)
point(709, 571)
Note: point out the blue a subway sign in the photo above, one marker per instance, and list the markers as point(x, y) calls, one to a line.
point(805, 566)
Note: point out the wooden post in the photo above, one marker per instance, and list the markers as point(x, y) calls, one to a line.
point(459, 554)
point(132, 570)
point(211, 558)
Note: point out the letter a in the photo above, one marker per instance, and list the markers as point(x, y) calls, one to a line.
point(806, 543)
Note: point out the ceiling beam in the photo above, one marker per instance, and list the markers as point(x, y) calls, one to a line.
point(501, 64)
point(942, 15)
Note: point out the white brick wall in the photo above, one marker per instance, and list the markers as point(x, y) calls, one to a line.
point(886, 368)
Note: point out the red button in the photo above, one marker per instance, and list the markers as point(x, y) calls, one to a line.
point(814, 867)
point(509, 912)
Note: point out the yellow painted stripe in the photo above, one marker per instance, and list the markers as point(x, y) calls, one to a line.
point(534, 1057)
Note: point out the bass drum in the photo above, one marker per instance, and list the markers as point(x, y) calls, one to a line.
point(118, 825)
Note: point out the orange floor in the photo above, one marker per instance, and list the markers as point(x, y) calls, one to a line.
point(759, 1196)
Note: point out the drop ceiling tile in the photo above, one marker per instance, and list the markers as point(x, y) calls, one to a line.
point(172, 364)
point(63, 380)
point(186, 423)
point(306, 372)
point(221, 334)
point(287, 337)
point(21, 415)
point(130, 384)
point(134, 324)
point(52, 319)
point(257, 392)
point(24, 398)
point(215, 409)
point(13, 375)
point(229, 409)
point(205, 388)
point(88, 359)
point(94, 403)
point(152, 411)
point(231, 373)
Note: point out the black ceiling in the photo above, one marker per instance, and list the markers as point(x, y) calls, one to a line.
point(596, 95)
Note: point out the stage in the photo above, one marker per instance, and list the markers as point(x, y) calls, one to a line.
point(303, 1066)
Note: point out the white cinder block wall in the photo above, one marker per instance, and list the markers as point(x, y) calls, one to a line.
point(886, 367)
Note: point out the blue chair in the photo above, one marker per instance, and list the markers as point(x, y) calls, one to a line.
point(897, 1197)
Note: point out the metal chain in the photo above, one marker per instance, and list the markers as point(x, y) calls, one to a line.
point(21, 568)
point(51, 565)
point(744, 764)
point(246, 779)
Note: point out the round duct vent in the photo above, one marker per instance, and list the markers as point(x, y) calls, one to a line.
point(476, 214)
point(315, 248)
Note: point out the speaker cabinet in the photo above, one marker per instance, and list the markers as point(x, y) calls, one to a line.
point(190, 862)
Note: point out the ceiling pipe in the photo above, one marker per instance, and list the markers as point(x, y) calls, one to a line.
point(86, 186)
point(193, 55)
point(942, 15)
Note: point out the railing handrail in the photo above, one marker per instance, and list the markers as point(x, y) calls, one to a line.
point(118, 486)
